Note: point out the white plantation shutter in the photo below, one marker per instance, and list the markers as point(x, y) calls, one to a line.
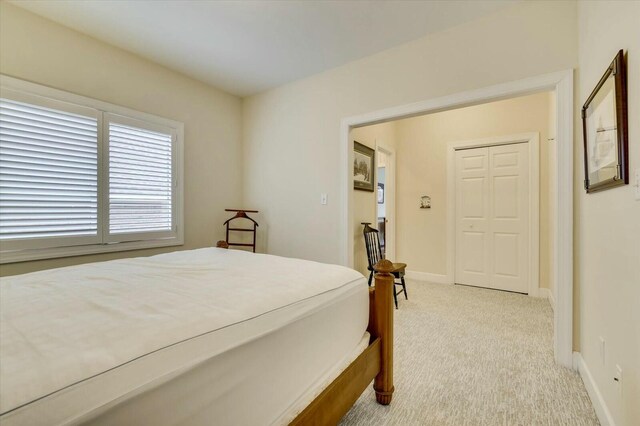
point(48, 173)
point(141, 179)
point(81, 176)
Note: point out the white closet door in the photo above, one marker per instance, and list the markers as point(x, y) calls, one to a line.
point(492, 224)
point(472, 217)
point(509, 193)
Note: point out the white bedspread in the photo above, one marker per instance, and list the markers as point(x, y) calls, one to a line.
point(61, 327)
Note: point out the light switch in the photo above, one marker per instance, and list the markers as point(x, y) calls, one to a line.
point(323, 199)
point(636, 183)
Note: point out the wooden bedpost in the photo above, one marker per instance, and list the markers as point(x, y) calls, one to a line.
point(374, 363)
point(383, 300)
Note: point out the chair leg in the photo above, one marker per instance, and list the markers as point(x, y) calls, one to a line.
point(395, 295)
point(404, 288)
point(370, 278)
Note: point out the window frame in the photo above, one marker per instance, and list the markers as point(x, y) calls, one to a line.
point(27, 250)
point(107, 236)
point(20, 244)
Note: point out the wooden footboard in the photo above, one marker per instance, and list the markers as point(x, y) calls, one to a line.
point(375, 362)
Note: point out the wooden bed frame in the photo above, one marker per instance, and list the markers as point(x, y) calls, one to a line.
point(375, 362)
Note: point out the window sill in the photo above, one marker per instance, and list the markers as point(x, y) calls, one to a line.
point(57, 252)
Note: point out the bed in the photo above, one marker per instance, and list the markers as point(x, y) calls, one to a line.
point(191, 336)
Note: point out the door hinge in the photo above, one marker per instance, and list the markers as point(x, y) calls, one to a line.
point(586, 184)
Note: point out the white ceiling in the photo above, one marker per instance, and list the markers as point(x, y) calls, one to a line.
point(245, 47)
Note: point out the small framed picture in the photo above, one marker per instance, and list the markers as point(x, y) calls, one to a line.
point(363, 167)
point(604, 128)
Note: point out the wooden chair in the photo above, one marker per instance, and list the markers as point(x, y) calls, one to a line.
point(374, 255)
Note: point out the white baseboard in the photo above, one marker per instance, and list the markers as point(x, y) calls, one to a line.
point(602, 411)
point(426, 276)
point(547, 294)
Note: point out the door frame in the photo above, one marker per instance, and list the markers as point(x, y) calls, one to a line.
point(390, 206)
point(562, 83)
point(533, 141)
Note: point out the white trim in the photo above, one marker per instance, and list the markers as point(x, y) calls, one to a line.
point(545, 293)
point(346, 230)
point(551, 197)
point(108, 237)
point(563, 238)
point(46, 92)
point(57, 252)
point(533, 142)
point(36, 97)
point(562, 83)
point(87, 106)
point(599, 405)
point(426, 276)
point(19, 244)
point(390, 226)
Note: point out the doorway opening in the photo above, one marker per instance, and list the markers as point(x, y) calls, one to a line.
point(559, 140)
point(376, 204)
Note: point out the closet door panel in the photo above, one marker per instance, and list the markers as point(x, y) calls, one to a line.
point(509, 217)
point(472, 214)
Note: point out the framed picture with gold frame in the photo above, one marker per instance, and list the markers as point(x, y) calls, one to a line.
point(605, 130)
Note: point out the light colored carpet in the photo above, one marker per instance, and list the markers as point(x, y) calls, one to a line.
point(471, 356)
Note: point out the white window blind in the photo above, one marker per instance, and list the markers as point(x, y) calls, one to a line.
point(140, 178)
point(48, 175)
point(80, 176)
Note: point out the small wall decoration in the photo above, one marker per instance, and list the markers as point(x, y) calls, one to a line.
point(380, 193)
point(604, 128)
point(425, 202)
point(363, 167)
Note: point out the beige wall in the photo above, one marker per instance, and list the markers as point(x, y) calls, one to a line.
point(365, 203)
point(422, 170)
point(294, 130)
point(607, 227)
point(44, 52)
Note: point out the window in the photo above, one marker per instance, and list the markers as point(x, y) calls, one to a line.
point(80, 176)
point(140, 179)
point(48, 175)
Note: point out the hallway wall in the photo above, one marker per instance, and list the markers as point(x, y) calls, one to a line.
point(422, 170)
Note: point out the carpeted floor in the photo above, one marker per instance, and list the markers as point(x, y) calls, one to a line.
point(471, 356)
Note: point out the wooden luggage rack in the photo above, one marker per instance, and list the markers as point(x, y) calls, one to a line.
point(241, 214)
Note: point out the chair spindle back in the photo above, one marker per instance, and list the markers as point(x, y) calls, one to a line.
point(372, 243)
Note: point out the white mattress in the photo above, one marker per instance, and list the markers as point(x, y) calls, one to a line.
point(195, 337)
